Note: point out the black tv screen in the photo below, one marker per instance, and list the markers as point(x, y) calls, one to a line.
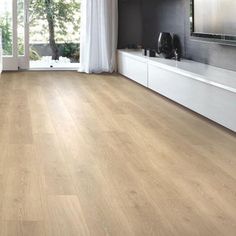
point(214, 19)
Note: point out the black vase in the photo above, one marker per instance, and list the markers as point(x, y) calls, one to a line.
point(165, 45)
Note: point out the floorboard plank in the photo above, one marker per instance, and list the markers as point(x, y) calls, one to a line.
point(100, 155)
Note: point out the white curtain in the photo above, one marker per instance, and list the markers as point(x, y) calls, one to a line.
point(99, 33)
point(1, 51)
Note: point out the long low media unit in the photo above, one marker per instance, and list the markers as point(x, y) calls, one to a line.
point(207, 90)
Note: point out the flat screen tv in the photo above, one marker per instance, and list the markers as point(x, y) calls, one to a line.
point(214, 20)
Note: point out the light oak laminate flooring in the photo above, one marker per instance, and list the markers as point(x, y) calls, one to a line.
point(100, 155)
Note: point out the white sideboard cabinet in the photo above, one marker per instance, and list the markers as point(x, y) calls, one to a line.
point(207, 90)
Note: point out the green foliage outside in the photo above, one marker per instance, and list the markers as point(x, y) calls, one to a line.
point(5, 26)
point(71, 50)
point(53, 19)
point(34, 56)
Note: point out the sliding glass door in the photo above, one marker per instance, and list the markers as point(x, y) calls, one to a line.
point(40, 34)
point(23, 33)
point(54, 34)
point(14, 26)
point(8, 25)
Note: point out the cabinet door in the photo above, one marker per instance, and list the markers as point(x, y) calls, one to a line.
point(133, 69)
point(210, 101)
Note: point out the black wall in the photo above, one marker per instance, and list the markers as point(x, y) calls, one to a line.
point(130, 23)
point(140, 21)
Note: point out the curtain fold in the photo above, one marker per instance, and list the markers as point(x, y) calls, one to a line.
point(1, 53)
point(99, 34)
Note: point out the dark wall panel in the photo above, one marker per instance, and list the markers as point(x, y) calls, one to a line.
point(130, 23)
point(172, 16)
point(156, 20)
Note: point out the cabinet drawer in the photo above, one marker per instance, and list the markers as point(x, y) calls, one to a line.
point(133, 69)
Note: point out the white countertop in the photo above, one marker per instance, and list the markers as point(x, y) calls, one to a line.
point(209, 74)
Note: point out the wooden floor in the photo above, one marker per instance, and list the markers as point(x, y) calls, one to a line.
point(101, 155)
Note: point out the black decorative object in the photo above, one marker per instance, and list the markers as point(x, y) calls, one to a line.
point(151, 53)
point(165, 45)
point(132, 46)
point(177, 47)
point(144, 51)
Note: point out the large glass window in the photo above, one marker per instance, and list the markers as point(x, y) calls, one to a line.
point(54, 33)
point(6, 23)
point(21, 27)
